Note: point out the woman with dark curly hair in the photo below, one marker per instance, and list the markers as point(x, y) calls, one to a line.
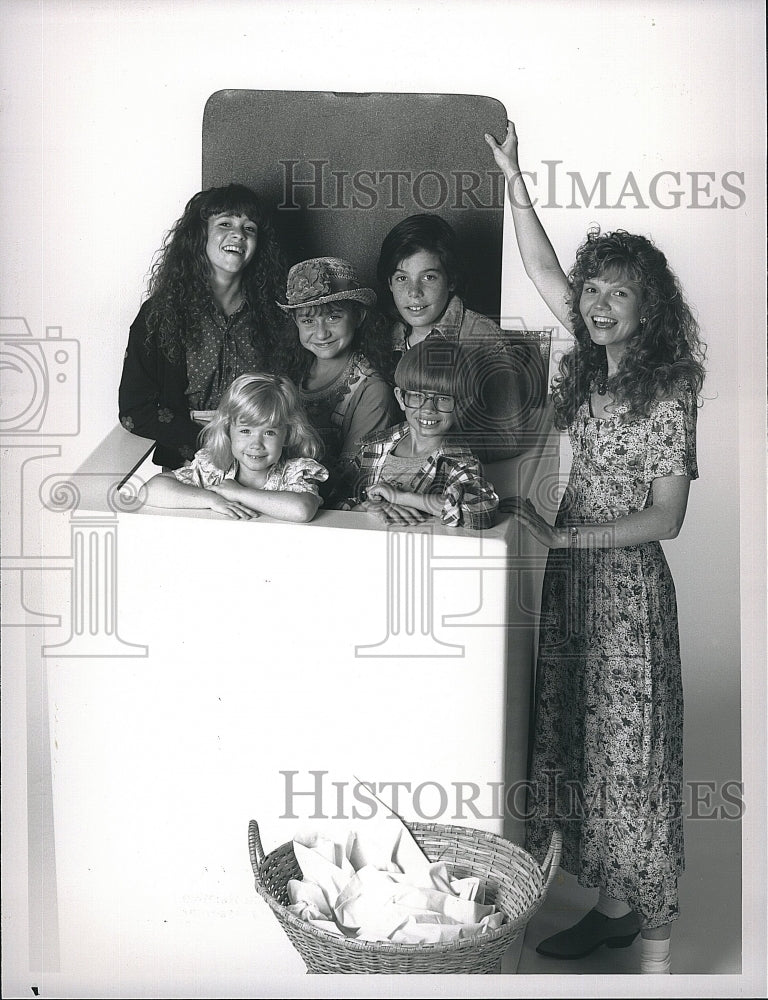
point(210, 316)
point(608, 741)
point(340, 360)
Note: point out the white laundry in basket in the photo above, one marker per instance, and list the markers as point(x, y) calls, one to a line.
point(377, 884)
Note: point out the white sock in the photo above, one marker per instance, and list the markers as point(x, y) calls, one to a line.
point(610, 907)
point(654, 955)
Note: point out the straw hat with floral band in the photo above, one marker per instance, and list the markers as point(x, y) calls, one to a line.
point(324, 279)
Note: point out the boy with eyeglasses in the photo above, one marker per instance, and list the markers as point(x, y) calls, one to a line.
point(417, 470)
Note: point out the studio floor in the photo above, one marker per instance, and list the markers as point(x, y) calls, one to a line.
point(706, 939)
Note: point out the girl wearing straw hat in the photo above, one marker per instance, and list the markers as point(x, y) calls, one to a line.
point(341, 357)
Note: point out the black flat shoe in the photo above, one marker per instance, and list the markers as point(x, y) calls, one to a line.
point(592, 931)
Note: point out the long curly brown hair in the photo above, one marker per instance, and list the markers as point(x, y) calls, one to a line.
point(664, 351)
point(179, 290)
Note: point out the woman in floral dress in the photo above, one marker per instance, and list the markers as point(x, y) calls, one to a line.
point(608, 743)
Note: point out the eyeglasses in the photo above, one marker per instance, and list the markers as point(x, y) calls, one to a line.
point(414, 400)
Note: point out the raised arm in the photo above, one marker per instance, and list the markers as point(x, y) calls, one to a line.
point(539, 258)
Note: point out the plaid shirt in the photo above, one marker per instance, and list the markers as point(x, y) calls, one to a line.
point(451, 472)
point(509, 387)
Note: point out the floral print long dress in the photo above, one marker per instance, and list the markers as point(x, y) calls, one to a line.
point(608, 745)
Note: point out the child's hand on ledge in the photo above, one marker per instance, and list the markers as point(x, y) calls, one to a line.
point(383, 492)
point(228, 494)
point(395, 513)
point(392, 513)
point(230, 508)
point(401, 507)
point(228, 489)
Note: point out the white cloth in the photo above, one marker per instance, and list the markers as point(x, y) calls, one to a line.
point(378, 885)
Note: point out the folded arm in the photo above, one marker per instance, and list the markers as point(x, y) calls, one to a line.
point(167, 491)
point(467, 500)
point(286, 505)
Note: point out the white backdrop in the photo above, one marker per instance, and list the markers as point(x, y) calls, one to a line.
point(101, 147)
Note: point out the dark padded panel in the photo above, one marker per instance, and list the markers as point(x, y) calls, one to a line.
point(268, 138)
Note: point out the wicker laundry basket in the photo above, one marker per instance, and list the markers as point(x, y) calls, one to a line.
point(511, 878)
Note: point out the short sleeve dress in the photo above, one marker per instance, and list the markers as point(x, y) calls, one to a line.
point(293, 475)
point(608, 745)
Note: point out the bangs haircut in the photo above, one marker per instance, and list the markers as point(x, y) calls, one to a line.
point(260, 399)
point(349, 306)
point(417, 233)
point(616, 270)
point(617, 256)
point(430, 366)
point(263, 406)
point(233, 199)
point(663, 354)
